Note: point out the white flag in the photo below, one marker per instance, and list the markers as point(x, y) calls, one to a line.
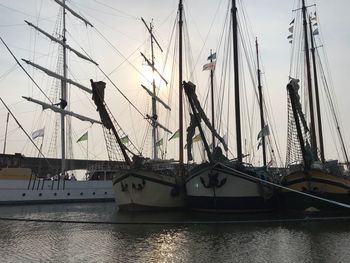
point(209, 66)
point(264, 132)
point(290, 29)
point(38, 133)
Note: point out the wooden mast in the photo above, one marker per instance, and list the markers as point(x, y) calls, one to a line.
point(261, 104)
point(317, 97)
point(181, 153)
point(236, 80)
point(63, 92)
point(7, 124)
point(154, 104)
point(212, 101)
point(309, 83)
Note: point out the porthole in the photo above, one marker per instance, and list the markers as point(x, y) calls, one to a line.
point(68, 193)
point(40, 194)
point(93, 193)
point(55, 194)
point(105, 193)
point(23, 194)
point(81, 193)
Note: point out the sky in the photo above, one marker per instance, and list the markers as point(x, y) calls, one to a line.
point(118, 21)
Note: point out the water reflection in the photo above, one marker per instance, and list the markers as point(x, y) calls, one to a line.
point(60, 242)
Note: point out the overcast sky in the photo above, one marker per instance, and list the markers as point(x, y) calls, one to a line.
point(118, 20)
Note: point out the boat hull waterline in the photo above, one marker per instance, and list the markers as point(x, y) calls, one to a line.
point(140, 190)
point(229, 191)
point(319, 184)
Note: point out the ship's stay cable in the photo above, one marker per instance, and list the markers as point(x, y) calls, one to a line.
point(14, 57)
point(18, 123)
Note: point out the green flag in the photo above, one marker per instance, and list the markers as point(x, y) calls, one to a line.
point(175, 135)
point(124, 139)
point(159, 143)
point(84, 137)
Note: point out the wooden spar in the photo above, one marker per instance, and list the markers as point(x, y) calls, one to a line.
point(181, 143)
point(317, 96)
point(212, 101)
point(309, 84)
point(261, 103)
point(236, 81)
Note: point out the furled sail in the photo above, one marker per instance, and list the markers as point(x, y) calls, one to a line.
point(57, 76)
point(156, 97)
point(61, 43)
point(74, 13)
point(59, 110)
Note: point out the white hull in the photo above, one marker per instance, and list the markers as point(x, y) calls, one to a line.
point(229, 192)
point(47, 191)
point(146, 190)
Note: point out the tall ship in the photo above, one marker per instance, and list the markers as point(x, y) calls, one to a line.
point(317, 184)
point(21, 184)
point(221, 184)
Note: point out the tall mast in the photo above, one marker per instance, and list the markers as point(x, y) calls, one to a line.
point(309, 83)
point(7, 124)
point(181, 153)
point(261, 104)
point(212, 101)
point(154, 104)
point(63, 92)
point(236, 80)
point(317, 97)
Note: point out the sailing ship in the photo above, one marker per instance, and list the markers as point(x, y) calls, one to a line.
point(20, 185)
point(223, 185)
point(148, 183)
point(317, 185)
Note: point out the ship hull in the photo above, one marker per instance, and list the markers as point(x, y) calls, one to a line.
point(49, 191)
point(317, 183)
point(141, 190)
point(230, 191)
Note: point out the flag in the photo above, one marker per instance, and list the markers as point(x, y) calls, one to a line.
point(270, 163)
point(316, 32)
point(291, 29)
point(38, 133)
point(84, 137)
point(197, 138)
point(292, 22)
point(159, 143)
point(209, 66)
point(212, 56)
point(175, 135)
point(290, 36)
point(264, 132)
point(259, 144)
point(315, 24)
point(124, 139)
point(290, 41)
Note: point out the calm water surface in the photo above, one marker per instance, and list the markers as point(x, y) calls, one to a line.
point(22, 241)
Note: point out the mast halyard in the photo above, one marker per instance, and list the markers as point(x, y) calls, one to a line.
point(317, 96)
point(236, 80)
point(181, 146)
point(261, 104)
point(309, 83)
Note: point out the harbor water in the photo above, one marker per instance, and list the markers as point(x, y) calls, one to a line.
point(97, 232)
